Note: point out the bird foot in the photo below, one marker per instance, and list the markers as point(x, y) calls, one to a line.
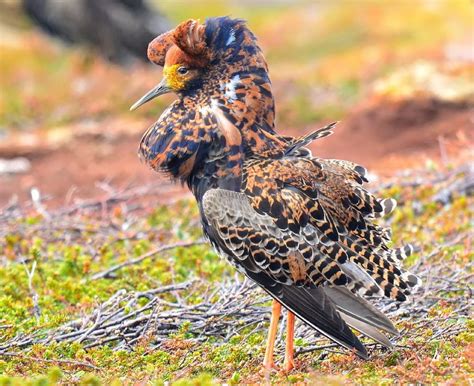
point(288, 365)
point(267, 367)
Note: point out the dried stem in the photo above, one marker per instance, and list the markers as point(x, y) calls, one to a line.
point(145, 256)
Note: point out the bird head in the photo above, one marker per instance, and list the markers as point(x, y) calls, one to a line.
point(180, 71)
point(184, 55)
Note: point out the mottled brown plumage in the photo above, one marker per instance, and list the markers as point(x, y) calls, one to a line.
point(302, 227)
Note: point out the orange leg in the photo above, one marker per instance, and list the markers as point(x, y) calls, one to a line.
point(290, 337)
point(272, 331)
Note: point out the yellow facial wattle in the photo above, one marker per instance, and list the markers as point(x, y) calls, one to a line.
point(173, 79)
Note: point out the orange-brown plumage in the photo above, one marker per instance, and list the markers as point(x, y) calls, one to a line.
point(189, 36)
point(158, 47)
point(184, 44)
point(302, 227)
point(175, 55)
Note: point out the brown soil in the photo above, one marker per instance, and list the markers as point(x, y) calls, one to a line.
point(380, 135)
point(75, 168)
point(386, 136)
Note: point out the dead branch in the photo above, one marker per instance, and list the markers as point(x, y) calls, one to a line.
point(34, 295)
point(145, 256)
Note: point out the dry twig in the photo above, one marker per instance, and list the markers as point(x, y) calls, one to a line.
point(145, 256)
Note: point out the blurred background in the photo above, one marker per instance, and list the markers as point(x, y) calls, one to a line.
point(398, 75)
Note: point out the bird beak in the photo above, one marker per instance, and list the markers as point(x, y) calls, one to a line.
point(161, 89)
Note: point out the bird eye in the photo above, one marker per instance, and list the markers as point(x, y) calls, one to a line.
point(182, 70)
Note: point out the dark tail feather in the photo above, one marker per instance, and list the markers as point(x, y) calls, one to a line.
point(316, 309)
point(359, 309)
point(306, 139)
point(367, 330)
